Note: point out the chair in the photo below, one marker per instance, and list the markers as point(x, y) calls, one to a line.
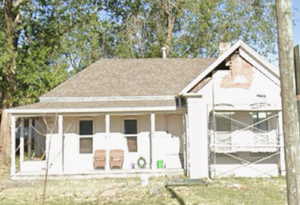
point(99, 159)
point(116, 158)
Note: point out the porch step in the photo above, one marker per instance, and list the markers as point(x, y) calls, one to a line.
point(112, 174)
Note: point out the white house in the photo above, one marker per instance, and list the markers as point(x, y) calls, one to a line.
point(200, 117)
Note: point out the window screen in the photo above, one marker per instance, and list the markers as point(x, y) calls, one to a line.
point(86, 145)
point(132, 144)
point(130, 126)
point(86, 127)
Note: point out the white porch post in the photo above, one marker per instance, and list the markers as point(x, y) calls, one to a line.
point(281, 143)
point(29, 137)
point(21, 141)
point(61, 141)
point(152, 131)
point(197, 135)
point(13, 146)
point(185, 143)
point(107, 136)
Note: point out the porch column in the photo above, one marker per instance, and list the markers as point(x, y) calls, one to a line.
point(197, 117)
point(29, 137)
point(152, 131)
point(281, 143)
point(107, 136)
point(13, 146)
point(21, 141)
point(184, 139)
point(61, 142)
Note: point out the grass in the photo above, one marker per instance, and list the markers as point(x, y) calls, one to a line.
point(241, 191)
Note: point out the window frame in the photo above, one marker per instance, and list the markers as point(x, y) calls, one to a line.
point(86, 136)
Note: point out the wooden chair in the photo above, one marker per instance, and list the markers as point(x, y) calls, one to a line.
point(99, 159)
point(116, 157)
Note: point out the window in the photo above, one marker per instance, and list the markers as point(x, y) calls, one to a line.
point(86, 127)
point(132, 144)
point(260, 121)
point(86, 145)
point(86, 142)
point(223, 123)
point(130, 131)
point(130, 127)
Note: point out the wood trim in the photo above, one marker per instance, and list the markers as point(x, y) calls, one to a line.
point(106, 98)
point(91, 110)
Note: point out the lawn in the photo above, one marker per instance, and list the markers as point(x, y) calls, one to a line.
point(130, 191)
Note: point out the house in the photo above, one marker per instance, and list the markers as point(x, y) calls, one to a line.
point(125, 117)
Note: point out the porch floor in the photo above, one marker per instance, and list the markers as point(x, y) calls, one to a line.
point(120, 173)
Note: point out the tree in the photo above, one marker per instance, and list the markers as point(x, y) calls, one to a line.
point(289, 104)
point(30, 62)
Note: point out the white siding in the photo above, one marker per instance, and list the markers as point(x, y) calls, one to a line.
point(167, 142)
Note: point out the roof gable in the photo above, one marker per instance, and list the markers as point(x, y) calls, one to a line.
point(247, 53)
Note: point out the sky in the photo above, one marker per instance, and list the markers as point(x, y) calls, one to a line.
point(296, 14)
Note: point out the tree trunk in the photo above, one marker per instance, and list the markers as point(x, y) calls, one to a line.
point(5, 140)
point(168, 8)
point(8, 85)
point(171, 22)
point(289, 104)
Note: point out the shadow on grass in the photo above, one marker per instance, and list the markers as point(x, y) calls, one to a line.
point(175, 195)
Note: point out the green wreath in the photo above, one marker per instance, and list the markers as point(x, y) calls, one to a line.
point(141, 162)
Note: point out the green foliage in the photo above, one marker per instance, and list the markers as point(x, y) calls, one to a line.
point(138, 29)
point(38, 37)
point(55, 39)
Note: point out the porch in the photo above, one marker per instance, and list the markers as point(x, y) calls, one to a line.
point(64, 145)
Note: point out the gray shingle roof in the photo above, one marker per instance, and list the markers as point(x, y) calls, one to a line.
point(125, 77)
point(132, 77)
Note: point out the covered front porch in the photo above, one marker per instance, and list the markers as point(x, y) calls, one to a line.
point(114, 144)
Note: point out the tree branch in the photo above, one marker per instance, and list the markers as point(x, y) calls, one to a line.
point(17, 3)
